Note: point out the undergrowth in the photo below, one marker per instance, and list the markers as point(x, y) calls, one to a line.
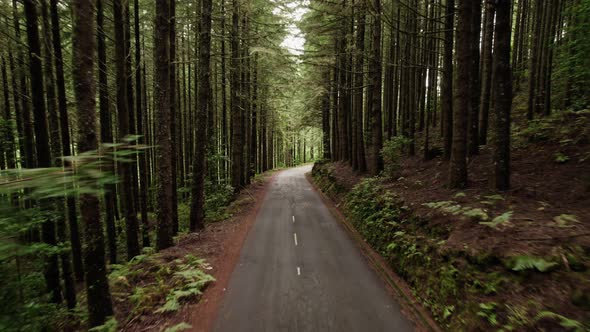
point(463, 292)
point(151, 284)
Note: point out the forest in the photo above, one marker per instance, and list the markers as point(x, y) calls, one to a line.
point(453, 135)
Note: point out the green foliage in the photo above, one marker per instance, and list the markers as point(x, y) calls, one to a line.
point(392, 153)
point(217, 198)
point(194, 280)
point(23, 300)
point(154, 285)
point(110, 325)
point(567, 323)
point(488, 312)
point(178, 327)
point(566, 220)
point(489, 283)
point(498, 221)
point(454, 208)
point(561, 158)
point(525, 262)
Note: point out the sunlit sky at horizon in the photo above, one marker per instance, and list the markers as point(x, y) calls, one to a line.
point(295, 40)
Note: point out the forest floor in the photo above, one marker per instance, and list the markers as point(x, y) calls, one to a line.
point(217, 249)
point(479, 259)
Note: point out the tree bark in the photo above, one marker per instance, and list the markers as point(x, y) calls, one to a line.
point(458, 164)
point(486, 74)
point(164, 154)
point(197, 212)
point(97, 286)
point(473, 131)
point(65, 139)
point(447, 80)
point(237, 151)
point(502, 95)
point(106, 133)
point(376, 164)
point(126, 188)
point(51, 272)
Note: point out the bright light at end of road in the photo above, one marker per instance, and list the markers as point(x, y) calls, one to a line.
point(294, 11)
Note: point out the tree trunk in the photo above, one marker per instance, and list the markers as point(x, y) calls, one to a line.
point(106, 133)
point(41, 140)
point(376, 164)
point(145, 229)
point(361, 162)
point(486, 73)
point(164, 154)
point(197, 212)
point(458, 165)
point(473, 139)
point(97, 286)
point(65, 138)
point(447, 80)
point(126, 187)
point(502, 95)
point(237, 151)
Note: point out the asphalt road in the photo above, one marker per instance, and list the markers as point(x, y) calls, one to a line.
point(300, 271)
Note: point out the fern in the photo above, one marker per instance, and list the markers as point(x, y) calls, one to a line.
point(522, 263)
point(109, 326)
point(564, 220)
point(502, 219)
point(475, 214)
point(565, 322)
point(178, 327)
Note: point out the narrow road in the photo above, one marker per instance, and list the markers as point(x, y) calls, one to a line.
point(300, 271)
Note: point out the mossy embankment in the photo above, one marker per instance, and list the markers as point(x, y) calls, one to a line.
point(466, 286)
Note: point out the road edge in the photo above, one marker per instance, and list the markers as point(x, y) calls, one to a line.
point(401, 291)
point(205, 312)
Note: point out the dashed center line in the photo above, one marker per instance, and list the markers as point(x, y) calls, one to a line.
point(295, 237)
point(298, 271)
point(293, 219)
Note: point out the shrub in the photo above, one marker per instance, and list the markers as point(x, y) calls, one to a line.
point(392, 153)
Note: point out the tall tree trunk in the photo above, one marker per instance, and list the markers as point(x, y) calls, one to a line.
point(56, 151)
point(376, 164)
point(486, 73)
point(535, 50)
point(97, 286)
point(458, 165)
point(9, 139)
point(65, 139)
point(127, 203)
point(164, 154)
point(28, 160)
point(41, 140)
point(255, 107)
point(106, 133)
point(502, 95)
point(358, 90)
point(173, 100)
point(236, 119)
point(197, 212)
point(224, 118)
point(473, 130)
point(447, 80)
point(325, 117)
point(145, 229)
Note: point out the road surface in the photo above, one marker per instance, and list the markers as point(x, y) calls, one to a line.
point(300, 271)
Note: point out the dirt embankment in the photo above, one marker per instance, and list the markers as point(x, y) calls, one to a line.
point(479, 259)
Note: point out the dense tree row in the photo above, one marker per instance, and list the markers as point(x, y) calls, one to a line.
point(191, 104)
point(444, 73)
